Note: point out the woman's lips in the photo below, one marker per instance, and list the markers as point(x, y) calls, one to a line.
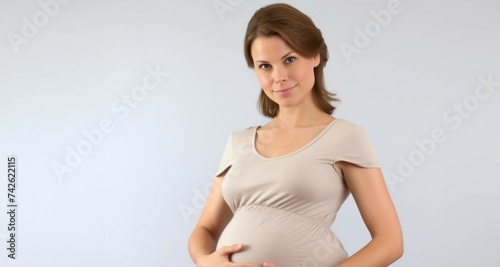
point(284, 91)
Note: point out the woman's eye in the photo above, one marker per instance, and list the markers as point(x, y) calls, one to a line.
point(264, 66)
point(289, 60)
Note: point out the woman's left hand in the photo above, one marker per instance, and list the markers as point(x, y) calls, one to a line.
point(269, 264)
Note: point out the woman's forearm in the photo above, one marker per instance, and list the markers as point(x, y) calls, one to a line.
point(376, 253)
point(201, 242)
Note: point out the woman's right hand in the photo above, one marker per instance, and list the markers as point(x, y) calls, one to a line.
point(220, 258)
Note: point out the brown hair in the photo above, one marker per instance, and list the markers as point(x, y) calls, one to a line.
point(300, 33)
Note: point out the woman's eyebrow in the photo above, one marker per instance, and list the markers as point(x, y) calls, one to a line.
point(287, 54)
point(264, 61)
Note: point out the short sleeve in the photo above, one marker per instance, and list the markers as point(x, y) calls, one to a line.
point(357, 149)
point(227, 157)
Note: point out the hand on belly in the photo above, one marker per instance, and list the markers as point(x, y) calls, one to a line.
point(253, 254)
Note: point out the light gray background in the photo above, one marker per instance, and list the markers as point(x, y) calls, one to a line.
point(135, 198)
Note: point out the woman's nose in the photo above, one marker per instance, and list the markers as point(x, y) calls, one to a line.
point(280, 75)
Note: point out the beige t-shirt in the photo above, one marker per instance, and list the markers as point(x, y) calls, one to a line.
point(285, 206)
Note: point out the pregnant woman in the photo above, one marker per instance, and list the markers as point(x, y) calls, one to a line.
point(279, 186)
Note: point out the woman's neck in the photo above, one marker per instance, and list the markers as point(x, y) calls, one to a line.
point(304, 115)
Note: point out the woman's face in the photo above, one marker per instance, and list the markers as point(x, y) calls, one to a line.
point(285, 76)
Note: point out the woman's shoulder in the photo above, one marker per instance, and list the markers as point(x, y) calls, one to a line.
point(347, 124)
point(243, 133)
point(343, 129)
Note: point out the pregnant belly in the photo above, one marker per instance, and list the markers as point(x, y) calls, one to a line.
point(281, 237)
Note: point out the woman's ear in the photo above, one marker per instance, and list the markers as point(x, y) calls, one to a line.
point(317, 60)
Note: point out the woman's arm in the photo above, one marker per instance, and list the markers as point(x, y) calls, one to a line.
point(213, 219)
point(370, 193)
